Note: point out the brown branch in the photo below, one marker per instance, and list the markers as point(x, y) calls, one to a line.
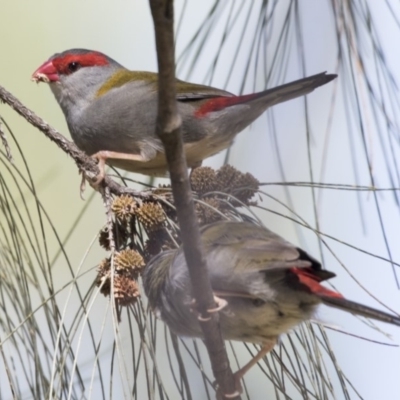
point(85, 163)
point(169, 131)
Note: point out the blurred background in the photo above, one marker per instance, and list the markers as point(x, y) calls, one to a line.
point(330, 183)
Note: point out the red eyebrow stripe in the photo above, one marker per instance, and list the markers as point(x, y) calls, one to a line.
point(307, 278)
point(86, 60)
point(219, 103)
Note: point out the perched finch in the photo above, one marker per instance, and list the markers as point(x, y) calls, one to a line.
point(269, 286)
point(111, 111)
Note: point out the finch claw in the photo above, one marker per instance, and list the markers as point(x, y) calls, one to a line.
point(236, 393)
point(101, 163)
point(232, 395)
point(203, 319)
point(94, 182)
point(221, 303)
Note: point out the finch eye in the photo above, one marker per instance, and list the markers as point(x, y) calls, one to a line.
point(73, 66)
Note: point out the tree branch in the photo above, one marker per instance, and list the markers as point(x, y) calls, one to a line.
point(84, 162)
point(169, 131)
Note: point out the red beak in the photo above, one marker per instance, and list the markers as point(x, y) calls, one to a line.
point(46, 73)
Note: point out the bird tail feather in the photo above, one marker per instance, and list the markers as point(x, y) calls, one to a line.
point(292, 90)
point(359, 309)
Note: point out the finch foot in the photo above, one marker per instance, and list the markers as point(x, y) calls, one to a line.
point(236, 393)
point(94, 182)
point(220, 304)
point(101, 163)
point(238, 375)
point(238, 390)
point(112, 158)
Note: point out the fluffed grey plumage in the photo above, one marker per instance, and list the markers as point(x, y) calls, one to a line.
point(269, 284)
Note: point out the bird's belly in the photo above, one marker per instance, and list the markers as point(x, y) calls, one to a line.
point(157, 166)
point(263, 323)
point(207, 147)
point(195, 153)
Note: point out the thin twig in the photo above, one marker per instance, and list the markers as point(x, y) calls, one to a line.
point(169, 131)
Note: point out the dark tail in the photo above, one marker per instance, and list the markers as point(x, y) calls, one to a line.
point(359, 309)
point(266, 99)
point(293, 89)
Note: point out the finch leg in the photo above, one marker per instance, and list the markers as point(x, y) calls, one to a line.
point(238, 375)
point(221, 303)
point(104, 155)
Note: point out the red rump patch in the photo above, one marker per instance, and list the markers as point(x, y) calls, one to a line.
point(84, 60)
point(308, 278)
point(219, 103)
